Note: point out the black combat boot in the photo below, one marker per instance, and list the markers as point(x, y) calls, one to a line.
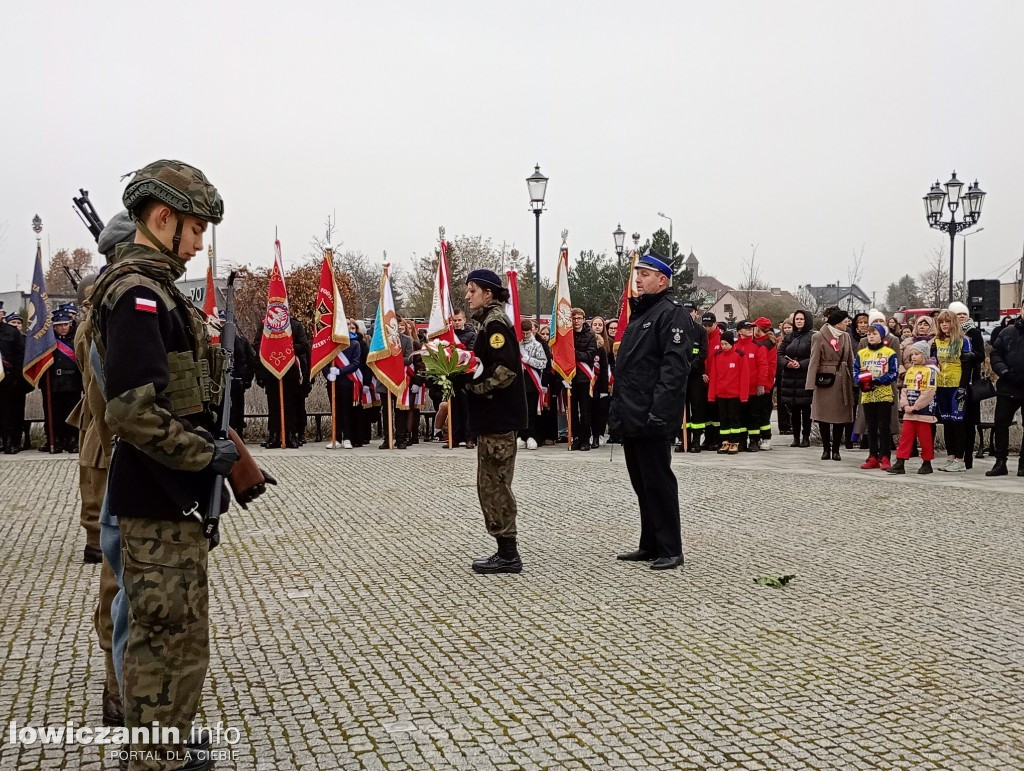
point(897, 467)
point(505, 560)
point(695, 441)
point(8, 444)
point(998, 470)
point(926, 468)
point(92, 556)
point(272, 442)
point(826, 447)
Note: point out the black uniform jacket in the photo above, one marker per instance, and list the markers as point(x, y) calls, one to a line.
point(651, 368)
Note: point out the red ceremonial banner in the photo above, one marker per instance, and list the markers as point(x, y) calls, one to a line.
point(276, 350)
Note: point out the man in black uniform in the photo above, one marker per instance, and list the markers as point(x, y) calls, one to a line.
point(585, 343)
point(651, 370)
point(242, 373)
point(496, 394)
point(696, 387)
point(303, 360)
point(12, 385)
point(64, 380)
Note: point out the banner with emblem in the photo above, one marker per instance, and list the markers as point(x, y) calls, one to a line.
point(276, 350)
point(628, 293)
point(330, 327)
point(441, 325)
point(385, 356)
point(40, 342)
point(563, 345)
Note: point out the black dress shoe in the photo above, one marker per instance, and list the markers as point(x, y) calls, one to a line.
point(679, 448)
point(835, 455)
point(826, 454)
point(805, 442)
point(667, 563)
point(795, 442)
point(694, 448)
point(635, 556)
point(272, 442)
point(595, 443)
point(92, 556)
point(584, 447)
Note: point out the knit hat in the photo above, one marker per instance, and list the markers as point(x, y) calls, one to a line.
point(882, 331)
point(875, 315)
point(728, 336)
point(959, 308)
point(837, 317)
point(923, 346)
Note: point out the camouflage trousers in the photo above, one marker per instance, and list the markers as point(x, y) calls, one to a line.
point(495, 465)
point(168, 648)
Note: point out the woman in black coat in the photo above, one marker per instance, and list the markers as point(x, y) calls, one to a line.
point(794, 357)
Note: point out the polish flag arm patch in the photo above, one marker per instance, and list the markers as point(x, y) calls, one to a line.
point(144, 305)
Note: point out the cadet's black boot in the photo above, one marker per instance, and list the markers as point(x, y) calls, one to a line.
point(897, 467)
point(998, 470)
point(695, 441)
point(926, 468)
point(272, 442)
point(505, 560)
point(113, 716)
point(92, 556)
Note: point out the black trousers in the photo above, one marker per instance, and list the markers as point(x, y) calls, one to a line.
point(61, 405)
point(696, 404)
point(581, 400)
point(532, 430)
point(761, 406)
point(12, 408)
point(599, 414)
point(876, 420)
point(1006, 408)
point(344, 412)
point(800, 420)
point(730, 419)
point(460, 418)
point(237, 418)
point(292, 399)
point(649, 463)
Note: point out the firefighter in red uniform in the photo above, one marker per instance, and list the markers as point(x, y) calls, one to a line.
point(765, 337)
point(714, 335)
point(757, 363)
point(728, 391)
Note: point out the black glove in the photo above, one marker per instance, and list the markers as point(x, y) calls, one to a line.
point(225, 455)
point(256, 491)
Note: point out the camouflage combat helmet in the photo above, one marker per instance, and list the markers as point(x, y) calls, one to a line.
point(185, 189)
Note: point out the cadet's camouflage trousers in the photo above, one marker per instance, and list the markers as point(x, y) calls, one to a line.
point(496, 463)
point(168, 649)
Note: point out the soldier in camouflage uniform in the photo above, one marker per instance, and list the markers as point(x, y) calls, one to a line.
point(497, 413)
point(161, 383)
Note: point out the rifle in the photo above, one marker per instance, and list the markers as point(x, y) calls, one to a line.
point(71, 277)
point(87, 213)
point(248, 481)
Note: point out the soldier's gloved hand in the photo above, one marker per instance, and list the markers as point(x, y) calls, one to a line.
point(249, 494)
point(225, 455)
point(760, 390)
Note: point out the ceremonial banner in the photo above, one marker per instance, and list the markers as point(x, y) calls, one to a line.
point(385, 356)
point(629, 291)
point(276, 350)
point(330, 327)
point(512, 306)
point(39, 340)
point(563, 345)
point(441, 325)
point(210, 304)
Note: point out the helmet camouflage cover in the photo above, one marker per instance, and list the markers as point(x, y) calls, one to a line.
point(182, 187)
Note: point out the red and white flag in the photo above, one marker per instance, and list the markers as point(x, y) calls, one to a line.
point(276, 350)
point(563, 343)
point(628, 292)
point(442, 325)
point(210, 306)
point(512, 306)
point(330, 327)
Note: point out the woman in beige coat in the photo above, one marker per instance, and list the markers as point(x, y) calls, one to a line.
point(830, 375)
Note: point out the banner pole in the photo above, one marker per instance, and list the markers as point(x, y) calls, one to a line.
point(284, 427)
point(49, 414)
point(391, 423)
point(449, 421)
point(568, 415)
point(334, 422)
point(686, 433)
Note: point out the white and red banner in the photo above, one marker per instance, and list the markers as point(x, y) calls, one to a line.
point(512, 306)
point(442, 325)
point(563, 345)
point(330, 327)
point(628, 292)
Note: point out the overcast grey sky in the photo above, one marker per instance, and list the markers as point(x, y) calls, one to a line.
point(809, 128)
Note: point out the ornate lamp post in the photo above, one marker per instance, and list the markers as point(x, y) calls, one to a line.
point(620, 240)
point(537, 184)
point(951, 198)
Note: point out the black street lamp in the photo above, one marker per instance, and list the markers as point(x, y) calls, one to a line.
point(537, 184)
point(951, 198)
point(620, 241)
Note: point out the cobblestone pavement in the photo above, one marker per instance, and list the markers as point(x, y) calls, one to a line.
point(349, 632)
